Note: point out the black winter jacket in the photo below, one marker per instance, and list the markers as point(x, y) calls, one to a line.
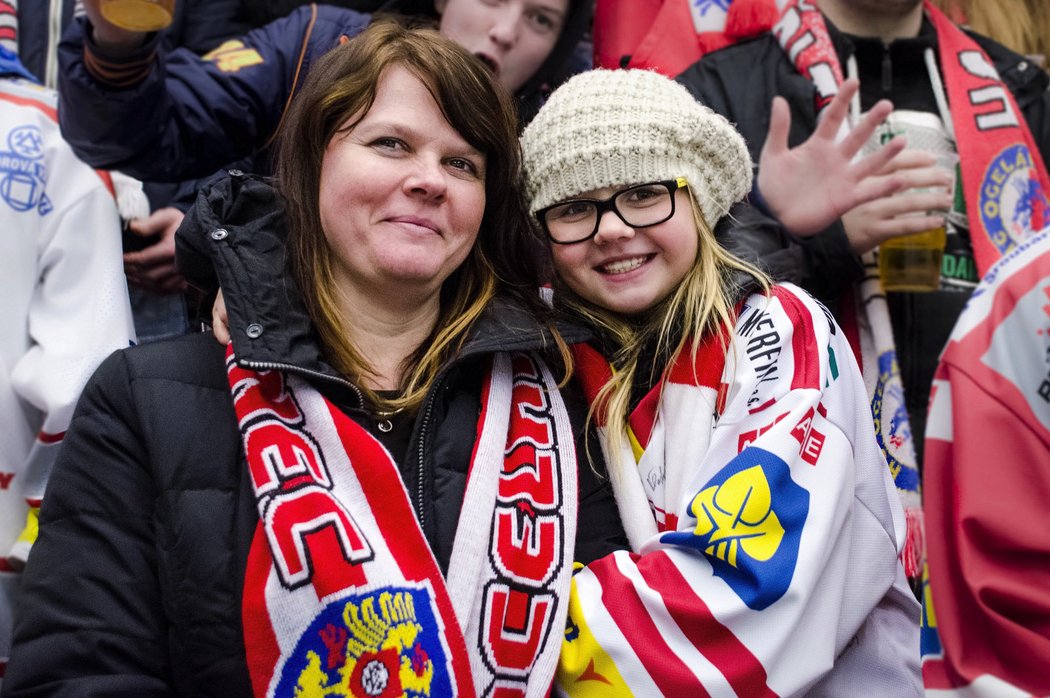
point(134, 586)
point(740, 82)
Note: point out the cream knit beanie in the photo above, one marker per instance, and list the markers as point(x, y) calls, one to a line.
point(611, 128)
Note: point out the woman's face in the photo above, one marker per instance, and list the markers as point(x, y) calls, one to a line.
point(402, 196)
point(629, 270)
point(513, 37)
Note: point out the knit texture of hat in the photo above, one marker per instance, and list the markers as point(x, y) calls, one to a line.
point(612, 128)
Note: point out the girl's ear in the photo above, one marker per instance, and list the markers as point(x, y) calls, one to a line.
point(439, 6)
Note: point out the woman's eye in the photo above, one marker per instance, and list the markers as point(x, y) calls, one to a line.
point(464, 165)
point(388, 143)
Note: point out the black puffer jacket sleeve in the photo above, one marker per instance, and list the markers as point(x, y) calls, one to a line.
point(134, 585)
point(90, 620)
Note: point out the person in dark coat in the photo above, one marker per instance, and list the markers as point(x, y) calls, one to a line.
point(887, 43)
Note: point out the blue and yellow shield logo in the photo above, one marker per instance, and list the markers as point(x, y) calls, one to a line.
point(749, 521)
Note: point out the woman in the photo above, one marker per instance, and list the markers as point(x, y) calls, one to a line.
point(763, 520)
point(388, 389)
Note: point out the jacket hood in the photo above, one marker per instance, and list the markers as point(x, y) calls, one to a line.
point(234, 238)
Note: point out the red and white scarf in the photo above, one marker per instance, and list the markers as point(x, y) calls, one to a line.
point(341, 589)
point(645, 494)
point(1005, 185)
point(1004, 177)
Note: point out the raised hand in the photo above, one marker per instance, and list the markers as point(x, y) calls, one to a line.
point(810, 186)
point(110, 37)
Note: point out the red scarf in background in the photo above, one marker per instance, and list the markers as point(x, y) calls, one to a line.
point(1004, 178)
point(670, 35)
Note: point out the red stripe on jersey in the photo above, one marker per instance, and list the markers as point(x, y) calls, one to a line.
point(710, 637)
point(32, 103)
point(45, 438)
point(805, 352)
point(627, 609)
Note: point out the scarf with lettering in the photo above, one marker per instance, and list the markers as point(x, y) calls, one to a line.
point(1004, 177)
point(342, 594)
point(647, 495)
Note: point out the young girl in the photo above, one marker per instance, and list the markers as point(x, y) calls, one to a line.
point(764, 525)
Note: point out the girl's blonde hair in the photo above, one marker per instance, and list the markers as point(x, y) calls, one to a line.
point(702, 304)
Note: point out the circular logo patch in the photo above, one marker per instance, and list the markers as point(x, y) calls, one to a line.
point(1012, 203)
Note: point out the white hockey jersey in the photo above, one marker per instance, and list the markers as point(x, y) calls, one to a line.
point(764, 524)
point(63, 307)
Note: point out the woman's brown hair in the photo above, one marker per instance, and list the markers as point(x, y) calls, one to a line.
point(342, 85)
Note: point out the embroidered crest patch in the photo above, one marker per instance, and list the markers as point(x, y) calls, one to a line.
point(380, 644)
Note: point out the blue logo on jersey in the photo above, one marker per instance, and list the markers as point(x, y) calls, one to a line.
point(383, 643)
point(749, 521)
point(1013, 204)
point(22, 171)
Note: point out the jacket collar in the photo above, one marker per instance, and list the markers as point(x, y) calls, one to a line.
point(233, 237)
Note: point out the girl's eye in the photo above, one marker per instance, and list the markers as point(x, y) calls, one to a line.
point(573, 210)
point(544, 22)
point(644, 195)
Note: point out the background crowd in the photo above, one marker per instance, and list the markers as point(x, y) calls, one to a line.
point(759, 132)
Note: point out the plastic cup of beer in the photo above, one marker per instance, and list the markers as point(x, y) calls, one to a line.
point(138, 15)
point(913, 262)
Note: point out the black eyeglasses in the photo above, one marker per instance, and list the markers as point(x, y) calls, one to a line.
point(640, 206)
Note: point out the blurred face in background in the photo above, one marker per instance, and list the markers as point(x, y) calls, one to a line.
point(512, 37)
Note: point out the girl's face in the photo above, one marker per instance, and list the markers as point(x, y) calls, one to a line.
point(629, 270)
